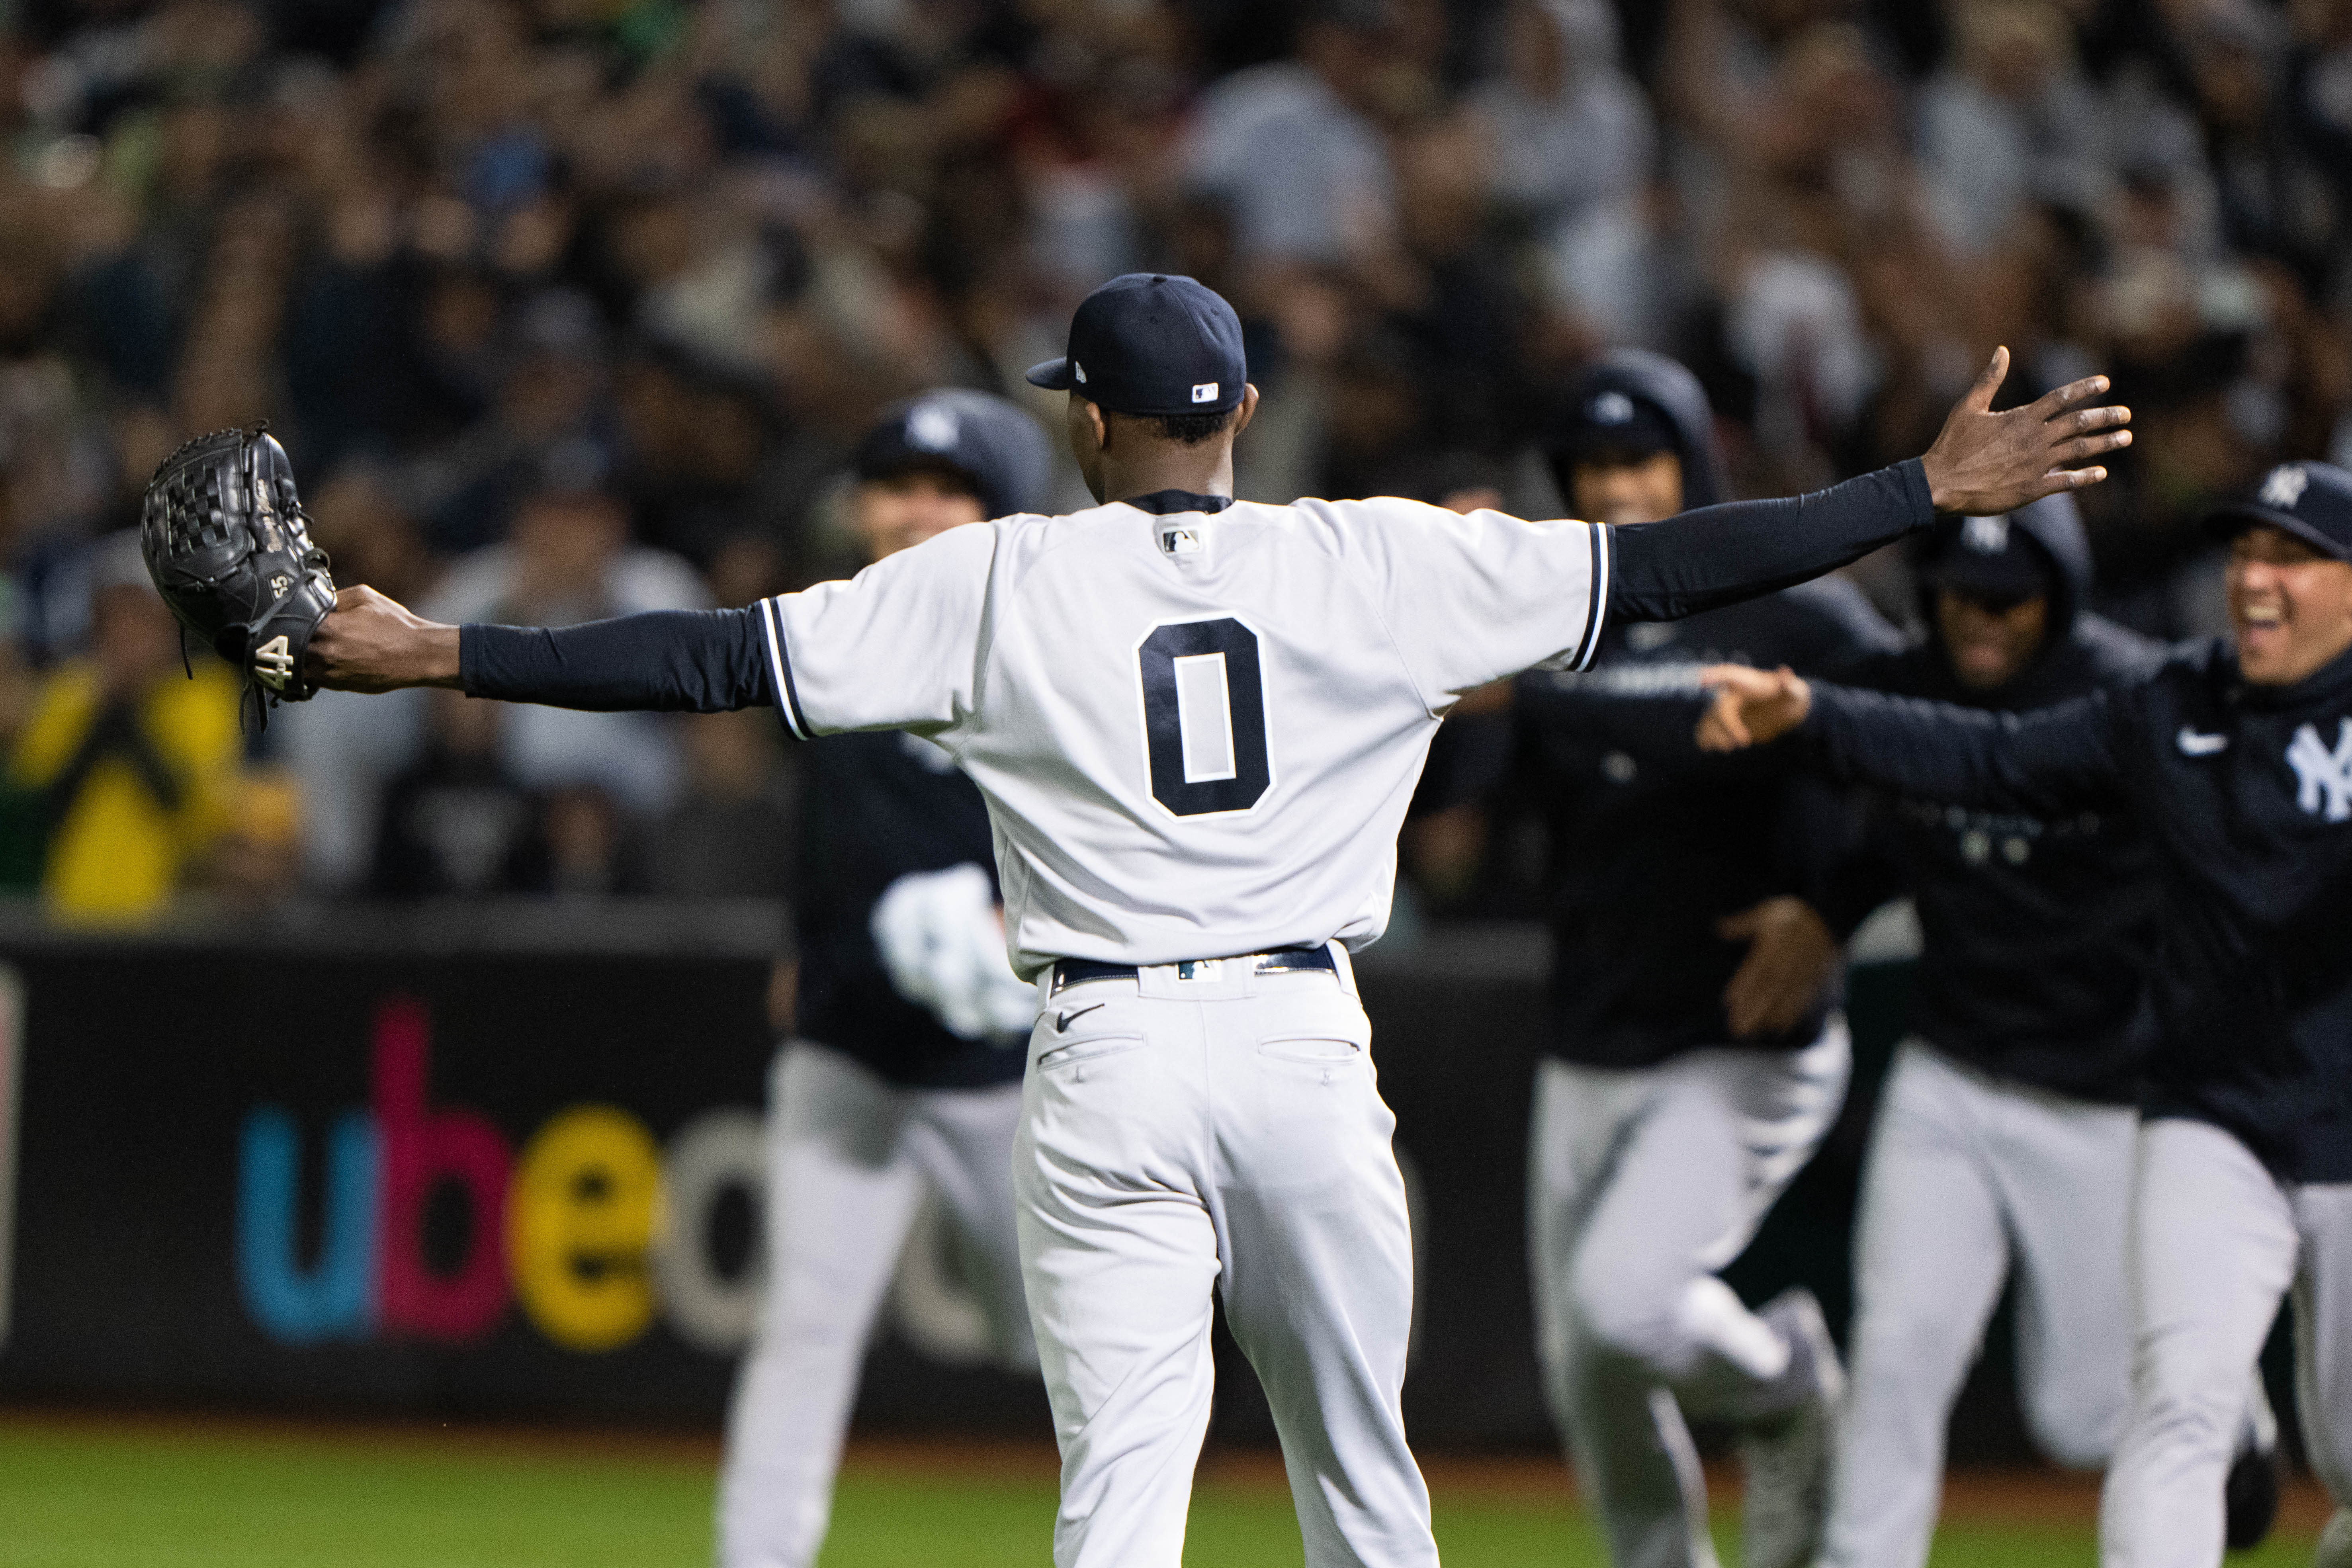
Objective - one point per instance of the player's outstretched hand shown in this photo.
(1790, 955)
(1750, 706)
(368, 643)
(1985, 463)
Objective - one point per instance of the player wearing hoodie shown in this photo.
(1695, 1056)
(2003, 1141)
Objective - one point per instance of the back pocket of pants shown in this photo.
(1089, 1050)
(1315, 1050)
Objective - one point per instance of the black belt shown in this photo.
(1071, 972)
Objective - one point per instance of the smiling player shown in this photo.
(2237, 764)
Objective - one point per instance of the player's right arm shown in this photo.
(2047, 760)
(894, 648)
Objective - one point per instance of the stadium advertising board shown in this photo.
(462, 1173)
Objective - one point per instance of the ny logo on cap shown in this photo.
(2323, 778)
(1205, 392)
(932, 427)
(1611, 408)
(2286, 486)
(1079, 370)
(1985, 535)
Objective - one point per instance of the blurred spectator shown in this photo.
(137, 761)
(568, 560)
(2008, 119)
(1293, 152)
(342, 747)
(732, 833)
(457, 822)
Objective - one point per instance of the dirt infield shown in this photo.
(1990, 1497)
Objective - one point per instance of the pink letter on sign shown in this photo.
(422, 1149)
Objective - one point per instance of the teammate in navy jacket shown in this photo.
(1695, 1056)
(2002, 1147)
(2237, 765)
(905, 1071)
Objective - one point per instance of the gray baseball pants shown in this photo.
(1968, 1180)
(1642, 1184)
(2216, 1243)
(1224, 1132)
(849, 1156)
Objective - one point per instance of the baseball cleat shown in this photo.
(1787, 1455)
(2250, 1495)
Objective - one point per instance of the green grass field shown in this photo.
(77, 1494)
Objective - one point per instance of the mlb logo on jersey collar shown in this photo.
(1180, 540)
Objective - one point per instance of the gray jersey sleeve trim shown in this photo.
(779, 669)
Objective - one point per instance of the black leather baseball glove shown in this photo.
(229, 545)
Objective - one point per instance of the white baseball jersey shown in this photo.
(1197, 733)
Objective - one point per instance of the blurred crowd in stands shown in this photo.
(565, 308)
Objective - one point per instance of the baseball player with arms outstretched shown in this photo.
(906, 1068)
(1197, 723)
(2237, 764)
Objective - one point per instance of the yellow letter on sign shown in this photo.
(581, 1212)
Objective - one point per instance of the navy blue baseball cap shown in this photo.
(1991, 560)
(2312, 501)
(1151, 344)
(992, 443)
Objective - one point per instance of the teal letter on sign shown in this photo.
(334, 1299)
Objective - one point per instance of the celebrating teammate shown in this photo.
(907, 1066)
(1197, 724)
(2003, 1139)
(1694, 1057)
(2237, 764)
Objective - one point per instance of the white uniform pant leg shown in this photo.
(1930, 1253)
(2323, 1334)
(1624, 1434)
(1118, 1254)
(2212, 1250)
(1694, 1161)
(1317, 1247)
(962, 1139)
(841, 1195)
(1232, 1129)
(2065, 1173)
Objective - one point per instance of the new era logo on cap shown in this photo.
(1151, 343)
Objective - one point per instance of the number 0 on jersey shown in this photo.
(1204, 717)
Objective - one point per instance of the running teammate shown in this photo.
(1197, 723)
(2237, 764)
(1695, 1056)
(904, 1072)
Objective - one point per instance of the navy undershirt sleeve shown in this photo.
(1720, 555)
(690, 661)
